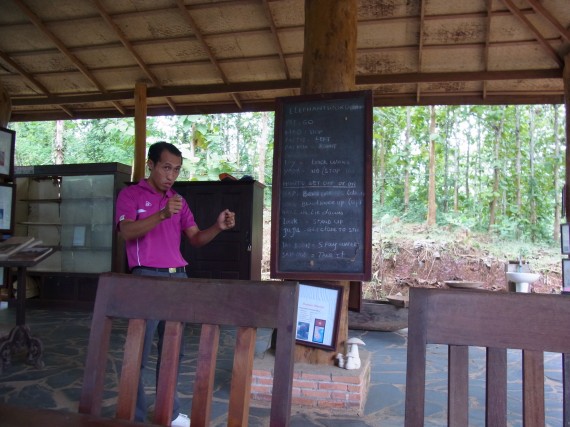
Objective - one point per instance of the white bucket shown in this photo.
(523, 287)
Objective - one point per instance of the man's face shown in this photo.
(164, 172)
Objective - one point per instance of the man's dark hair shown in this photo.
(156, 149)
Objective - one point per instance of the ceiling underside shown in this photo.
(65, 59)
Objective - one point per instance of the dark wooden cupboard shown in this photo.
(233, 254)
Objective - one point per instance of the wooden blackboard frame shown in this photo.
(360, 100)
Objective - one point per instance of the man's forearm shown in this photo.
(134, 229)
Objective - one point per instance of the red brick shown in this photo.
(311, 385)
(304, 401)
(346, 380)
(316, 393)
(334, 386)
(336, 395)
(296, 391)
(316, 377)
(261, 373)
(355, 397)
(266, 381)
(260, 389)
(354, 388)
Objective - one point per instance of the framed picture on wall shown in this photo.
(318, 314)
(565, 238)
(7, 205)
(7, 144)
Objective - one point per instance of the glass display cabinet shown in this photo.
(72, 208)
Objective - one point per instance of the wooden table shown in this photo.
(19, 416)
(20, 336)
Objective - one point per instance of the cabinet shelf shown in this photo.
(86, 248)
(41, 200)
(40, 224)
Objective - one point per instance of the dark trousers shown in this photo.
(153, 326)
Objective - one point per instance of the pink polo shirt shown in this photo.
(160, 247)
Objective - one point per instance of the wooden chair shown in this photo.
(498, 321)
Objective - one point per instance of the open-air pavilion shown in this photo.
(66, 59)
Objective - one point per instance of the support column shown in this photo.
(566, 79)
(140, 132)
(329, 65)
(5, 107)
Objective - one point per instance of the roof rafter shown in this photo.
(41, 88)
(188, 18)
(420, 45)
(538, 8)
(489, 5)
(127, 44)
(546, 46)
(84, 70)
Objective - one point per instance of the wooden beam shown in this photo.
(5, 107)
(420, 44)
(542, 11)
(198, 33)
(546, 46)
(289, 84)
(566, 79)
(128, 45)
(329, 65)
(140, 132)
(63, 49)
(489, 5)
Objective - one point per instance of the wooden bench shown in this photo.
(246, 305)
(532, 323)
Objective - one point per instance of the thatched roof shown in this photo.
(81, 58)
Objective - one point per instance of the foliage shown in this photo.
(471, 142)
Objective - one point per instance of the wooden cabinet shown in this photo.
(233, 254)
(71, 207)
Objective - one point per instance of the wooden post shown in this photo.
(140, 132)
(566, 79)
(329, 65)
(5, 107)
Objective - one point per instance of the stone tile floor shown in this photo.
(65, 333)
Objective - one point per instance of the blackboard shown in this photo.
(322, 187)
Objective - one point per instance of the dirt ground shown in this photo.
(411, 255)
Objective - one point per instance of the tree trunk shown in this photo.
(555, 172)
(448, 121)
(518, 162)
(329, 65)
(407, 156)
(382, 170)
(262, 146)
(432, 206)
(496, 170)
(566, 81)
(532, 195)
(58, 143)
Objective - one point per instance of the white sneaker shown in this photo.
(181, 420)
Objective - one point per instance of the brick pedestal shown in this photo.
(317, 386)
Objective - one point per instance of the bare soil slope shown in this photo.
(406, 255)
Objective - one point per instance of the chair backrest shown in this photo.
(533, 323)
(247, 305)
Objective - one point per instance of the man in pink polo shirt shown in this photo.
(151, 217)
